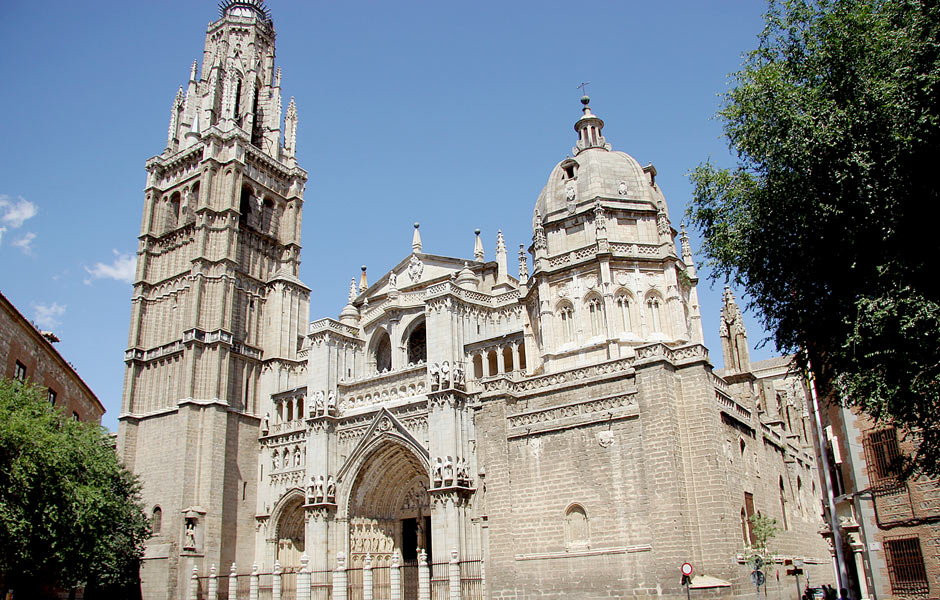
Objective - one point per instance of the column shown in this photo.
(233, 582)
(194, 584)
(253, 583)
(213, 584)
(453, 575)
(303, 579)
(339, 578)
(515, 358)
(500, 363)
(394, 576)
(424, 578)
(276, 581)
(367, 578)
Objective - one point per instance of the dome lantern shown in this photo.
(590, 129)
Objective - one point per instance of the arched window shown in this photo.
(478, 366)
(521, 366)
(745, 528)
(492, 363)
(172, 211)
(382, 352)
(654, 314)
(566, 322)
(595, 315)
(783, 505)
(577, 530)
(507, 360)
(799, 497)
(624, 306)
(156, 520)
(417, 345)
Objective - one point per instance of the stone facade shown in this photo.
(28, 354)
(562, 423)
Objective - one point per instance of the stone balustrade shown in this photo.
(383, 387)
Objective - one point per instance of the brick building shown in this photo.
(889, 529)
(28, 354)
(560, 424)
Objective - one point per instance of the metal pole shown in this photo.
(841, 573)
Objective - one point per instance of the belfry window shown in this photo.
(417, 345)
(566, 321)
(623, 307)
(655, 317)
(569, 170)
(383, 353)
(594, 313)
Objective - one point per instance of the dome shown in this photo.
(594, 171)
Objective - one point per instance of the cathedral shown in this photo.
(556, 431)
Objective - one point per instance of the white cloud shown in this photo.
(25, 243)
(16, 212)
(45, 314)
(122, 268)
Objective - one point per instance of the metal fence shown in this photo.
(407, 580)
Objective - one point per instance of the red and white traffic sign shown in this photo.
(687, 569)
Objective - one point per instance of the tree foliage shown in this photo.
(69, 512)
(826, 218)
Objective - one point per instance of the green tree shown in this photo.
(826, 218)
(69, 511)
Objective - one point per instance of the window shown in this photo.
(623, 308)
(746, 513)
(383, 353)
(19, 371)
(783, 505)
(569, 170)
(594, 312)
(51, 396)
(883, 457)
(566, 318)
(906, 566)
(75, 416)
(156, 520)
(655, 317)
(577, 532)
(417, 345)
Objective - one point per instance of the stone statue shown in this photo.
(458, 375)
(318, 402)
(266, 423)
(297, 457)
(190, 542)
(435, 376)
(448, 469)
(318, 489)
(311, 491)
(393, 280)
(276, 460)
(445, 374)
(330, 489)
(331, 403)
(436, 471)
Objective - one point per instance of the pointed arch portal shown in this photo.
(388, 507)
(290, 532)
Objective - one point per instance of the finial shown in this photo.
(500, 243)
(352, 290)
(277, 78)
(416, 239)
(478, 247)
(363, 283)
(523, 265)
(192, 72)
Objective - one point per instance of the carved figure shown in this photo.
(276, 460)
(190, 541)
(458, 375)
(266, 423)
(448, 469)
(311, 491)
(330, 489)
(318, 402)
(445, 374)
(622, 188)
(393, 281)
(435, 376)
(331, 403)
(318, 489)
(436, 472)
(296, 457)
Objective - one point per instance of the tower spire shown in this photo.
(416, 239)
(478, 255)
(290, 129)
(502, 269)
(733, 335)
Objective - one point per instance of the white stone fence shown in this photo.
(414, 580)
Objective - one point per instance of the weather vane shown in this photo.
(582, 87)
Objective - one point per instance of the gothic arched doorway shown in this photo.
(388, 507)
(290, 534)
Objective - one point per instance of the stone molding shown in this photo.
(575, 414)
(578, 553)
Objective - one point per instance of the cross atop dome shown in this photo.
(589, 128)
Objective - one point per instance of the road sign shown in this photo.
(757, 578)
(686, 569)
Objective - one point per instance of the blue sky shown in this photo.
(448, 113)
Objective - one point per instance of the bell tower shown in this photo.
(218, 312)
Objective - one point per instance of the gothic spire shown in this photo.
(478, 247)
(290, 129)
(416, 239)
